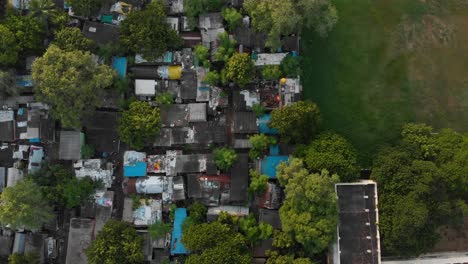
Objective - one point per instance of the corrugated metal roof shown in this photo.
(70, 145)
(177, 248)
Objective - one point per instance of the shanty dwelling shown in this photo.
(177, 248)
(145, 89)
(100, 32)
(213, 212)
(7, 125)
(79, 239)
(70, 145)
(240, 179)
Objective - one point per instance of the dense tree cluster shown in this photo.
(240, 69)
(422, 185)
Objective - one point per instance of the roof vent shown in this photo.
(366, 197)
(368, 237)
(92, 29)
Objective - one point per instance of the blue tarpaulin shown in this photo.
(177, 247)
(120, 65)
(263, 125)
(138, 169)
(270, 163)
(274, 150)
(35, 140)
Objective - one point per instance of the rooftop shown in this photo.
(101, 131)
(245, 123)
(263, 125)
(70, 145)
(177, 248)
(240, 179)
(134, 164)
(270, 217)
(358, 233)
(100, 32)
(195, 163)
(151, 185)
(269, 164)
(79, 239)
(263, 59)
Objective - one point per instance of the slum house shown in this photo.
(211, 26)
(40, 127)
(291, 90)
(36, 156)
(358, 239)
(259, 251)
(7, 126)
(244, 123)
(191, 39)
(272, 197)
(176, 188)
(177, 248)
(199, 134)
(100, 32)
(196, 163)
(6, 244)
(270, 217)
(119, 64)
(14, 102)
(134, 164)
(104, 203)
(188, 85)
(79, 239)
(3, 178)
(247, 38)
(70, 146)
(174, 7)
(154, 250)
(162, 164)
(148, 212)
(264, 59)
(213, 212)
(240, 179)
(264, 125)
(96, 169)
(145, 90)
(101, 131)
(180, 115)
(6, 155)
(210, 190)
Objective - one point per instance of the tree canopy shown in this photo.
(194, 8)
(117, 242)
(309, 211)
(139, 124)
(283, 17)
(332, 152)
(85, 8)
(159, 229)
(258, 182)
(24, 205)
(71, 38)
(224, 158)
(212, 243)
(253, 231)
(298, 122)
(7, 83)
(422, 185)
(260, 144)
(147, 32)
(9, 50)
(240, 69)
(232, 17)
(71, 82)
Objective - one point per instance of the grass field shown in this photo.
(388, 62)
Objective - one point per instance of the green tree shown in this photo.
(253, 231)
(165, 98)
(194, 8)
(291, 66)
(71, 82)
(333, 152)
(29, 33)
(71, 38)
(240, 69)
(258, 109)
(320, 15)
(77, 191)
(9, 50)
(226, 47)
(159, 229)
(24, 205)
(232, 17)
(422, 186)
(43, 11)
(260, 144)
(87, 151)
(215, 243)
(297, 122)
(271, 72)
(7, 83)
(308, 212)
(197, 211)
(275, 258)
(28, 258)
(117, 242)
(147, 32)
(258, 182)
(202, 54)
(139, 124)
(224, 158)
(85, 8)
(211, 78)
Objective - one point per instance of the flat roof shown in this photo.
(177, 247)
(145, 87)
(358, 234)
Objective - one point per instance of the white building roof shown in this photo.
(145, 87)
(151, 185)
(264, 59)
(93, 168)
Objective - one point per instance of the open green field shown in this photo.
(388, 62)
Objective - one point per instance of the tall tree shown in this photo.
(240, 69)
(71, 38)
(43, 11)
(71, 82)
(7, 83)
(254, 232)
(139, 124)
(332, 152)
(85, 8)
(297, 122)
(224, 158)
(309, 211)
(214, 243)
(422, 185)
(9, 49)
(24, 205)
(29, 34)
(148, 33)
(117, 242)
